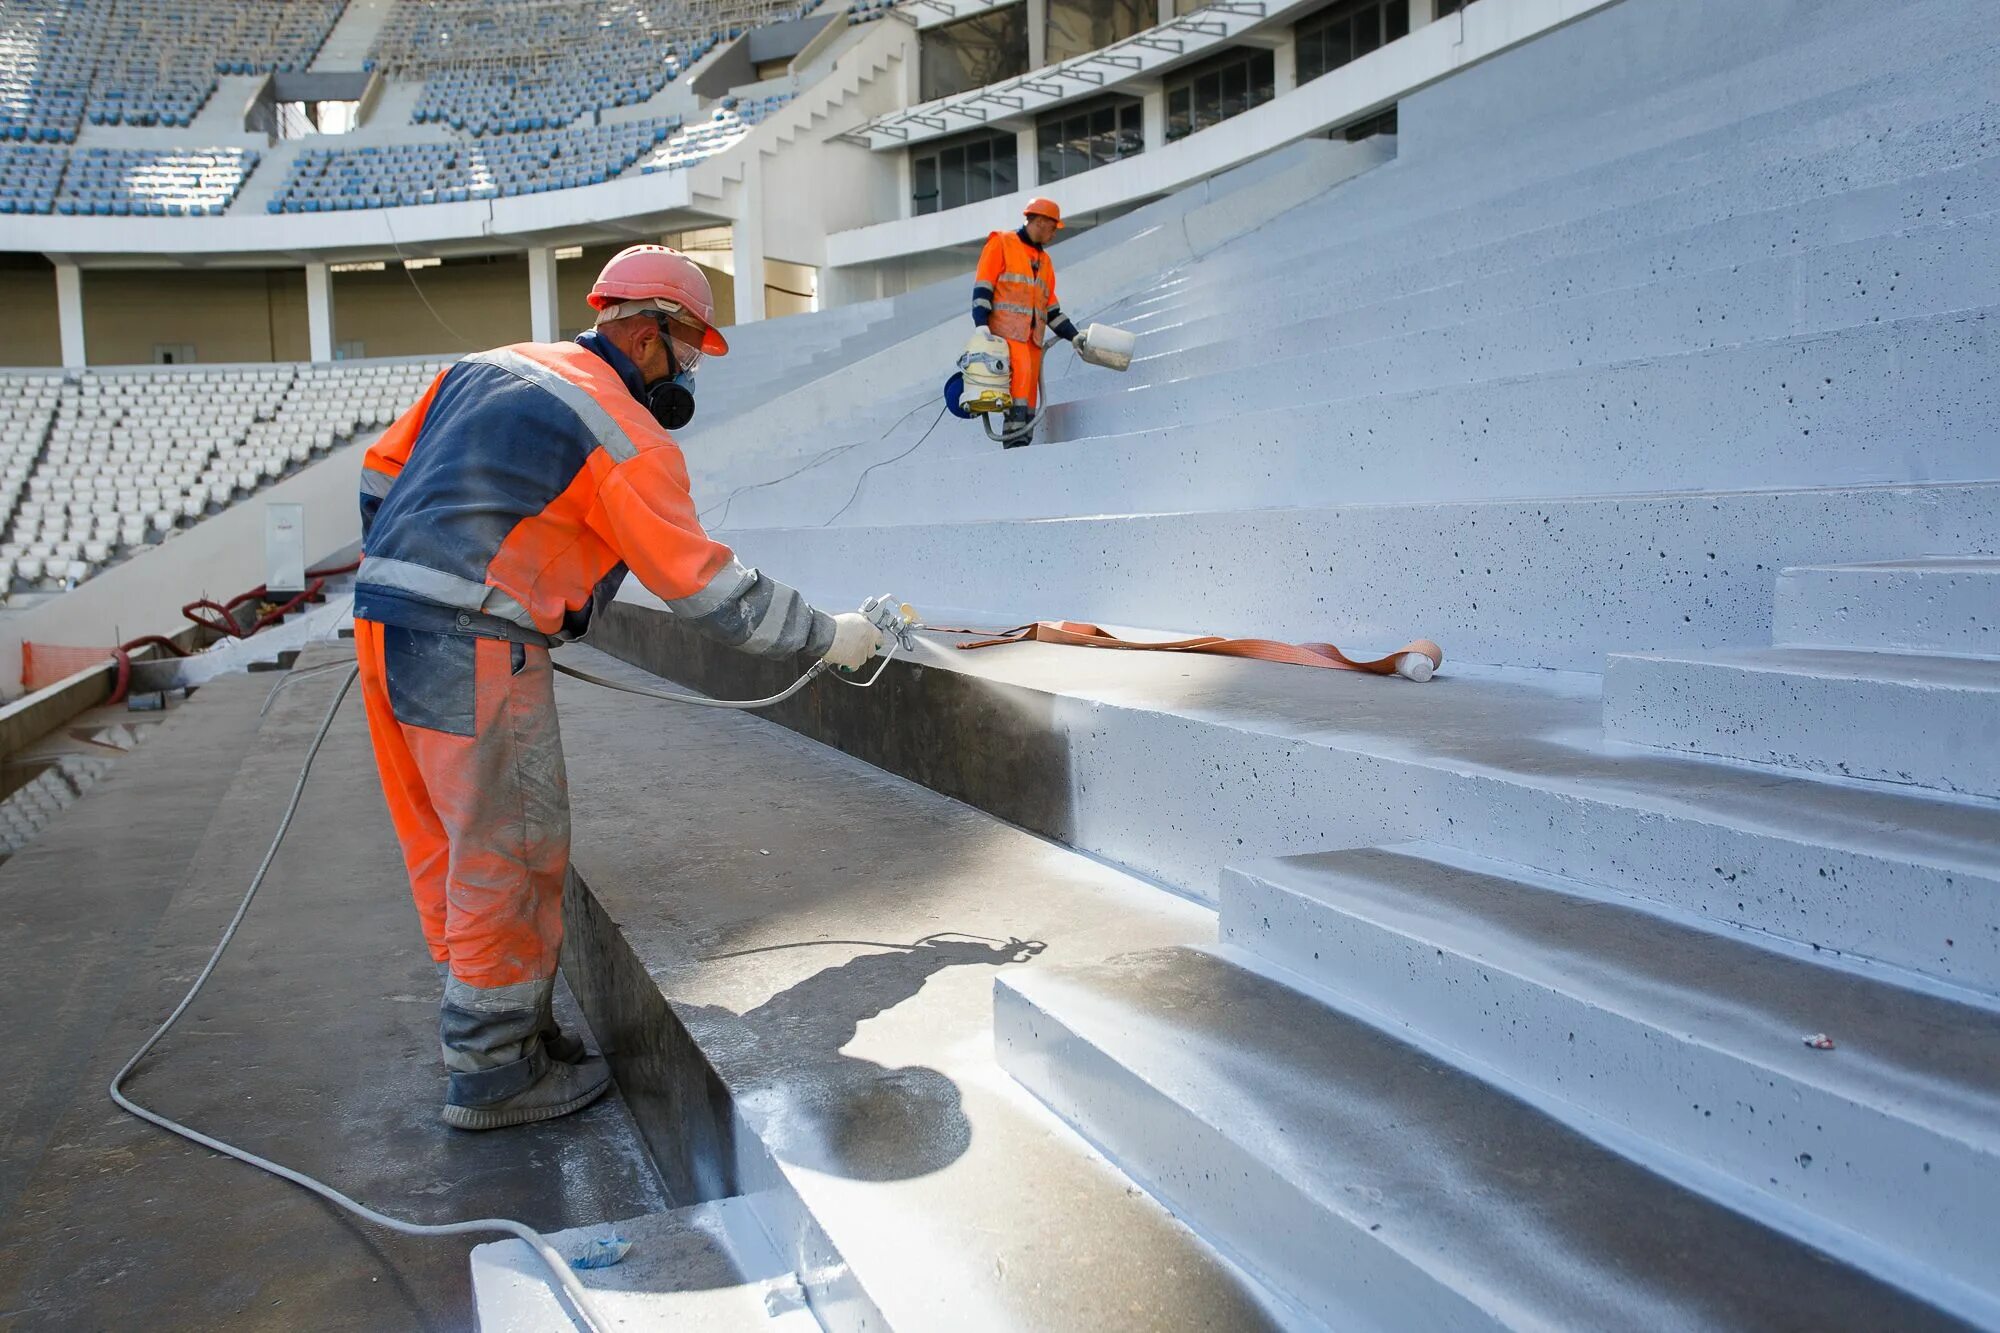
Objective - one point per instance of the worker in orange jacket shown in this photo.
(1014, 297)
(497, 514)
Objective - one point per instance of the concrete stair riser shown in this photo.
(1944, 605)
(1383, 1188)
(1926, 721)
(1890, 1153)
(1547, 583)
(1083, 768)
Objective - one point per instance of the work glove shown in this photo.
(855, 640)
(1082, 339)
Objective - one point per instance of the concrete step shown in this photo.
(1362, 247)
(1551, 583)
(1688, 1038)
(1849, 407)
(1383, 1188)
(1946, 604)
(1916, 272)
(708, 1268)
(792, 968)
(1890, 717)
(1174, 765)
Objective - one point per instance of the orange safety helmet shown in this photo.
(649, 273)
(1044, 208)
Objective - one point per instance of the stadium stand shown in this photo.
(528, 66)
(325, 180)
(140, 62)
(30, 177)
(151, 182)
(703, 139)
(98, 464)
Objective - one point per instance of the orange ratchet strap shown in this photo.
(1080, 635)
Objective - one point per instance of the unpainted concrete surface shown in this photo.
(830, 935)
(315, 1043)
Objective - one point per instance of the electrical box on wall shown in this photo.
(284, 548)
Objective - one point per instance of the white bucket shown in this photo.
(1106, 345)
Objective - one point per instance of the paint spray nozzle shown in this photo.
(897, 620)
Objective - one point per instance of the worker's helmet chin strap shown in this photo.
(671, 400)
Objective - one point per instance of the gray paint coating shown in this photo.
(1891, 717)
(1385, 1189)
(1689, 1038)
(1937, 604)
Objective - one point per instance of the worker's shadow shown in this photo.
(846, 1115)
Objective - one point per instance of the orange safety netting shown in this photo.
(43, 664)
(1078, 634)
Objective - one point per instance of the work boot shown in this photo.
(1020, 428)
(561, 1089)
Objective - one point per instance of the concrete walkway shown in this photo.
(315, 1043)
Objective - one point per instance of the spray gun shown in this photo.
(896, 620)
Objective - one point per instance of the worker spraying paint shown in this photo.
(1013, 308)
(497, 514)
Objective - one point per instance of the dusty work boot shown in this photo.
(1020, 428)
(561, 1089)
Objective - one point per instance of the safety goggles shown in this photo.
(686, 334)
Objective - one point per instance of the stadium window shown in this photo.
(1087, 135)
(969, 169)
(1450, 6)
(173, 354)
(971, 53)
(351, 350)
(1382, 122)
(1078, 27)
(1347, 31)
(1211, 92)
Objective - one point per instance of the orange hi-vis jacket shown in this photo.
(511, 500)
(1016, 281)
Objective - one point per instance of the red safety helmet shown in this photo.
(646, 273)
(1044, 208)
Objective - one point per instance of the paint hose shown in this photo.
(566, 1280)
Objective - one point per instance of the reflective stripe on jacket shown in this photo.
(1020, 281)
(523, 485)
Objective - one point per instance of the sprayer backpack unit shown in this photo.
(983, 386)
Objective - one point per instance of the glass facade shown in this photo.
(1347, 31)
(1213, 91)
(1087, 135)
(1078, 27)
(970, 169)
(971, 53)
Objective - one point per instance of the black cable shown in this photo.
(825, 457)
(884, 463)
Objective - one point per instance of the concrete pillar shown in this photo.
(1285, 65)
(1038, 33)
(69, 314)
(1422, 12)
(1167, 11)
(319, 312)
(1028, 157)
(906, 184)
(544, 304)
(1153, 118)
(746, 241)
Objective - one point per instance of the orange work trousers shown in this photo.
(470, 755)
(1024, 371)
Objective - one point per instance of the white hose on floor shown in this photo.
(577, 1293)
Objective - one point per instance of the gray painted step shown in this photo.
(1383, 1189)
(1690, 1039)
(703, 1269)
(1947, 604)
(1290, 760)
(1893, 717)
